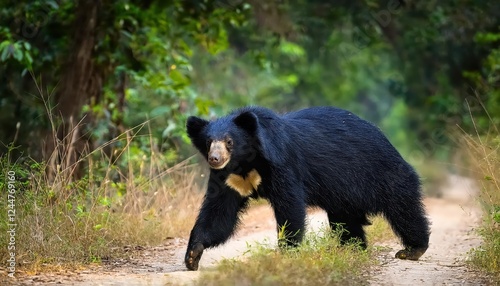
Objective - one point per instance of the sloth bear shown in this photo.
(322, 156)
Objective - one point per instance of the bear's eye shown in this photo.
(229, 142)
(209, 141)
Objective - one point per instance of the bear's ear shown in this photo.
(195, 125)
(248, 121)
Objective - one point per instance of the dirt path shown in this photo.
(453, 218)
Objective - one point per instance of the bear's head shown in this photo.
(225, 142)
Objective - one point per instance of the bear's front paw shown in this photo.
(193, 256)
(410, 254)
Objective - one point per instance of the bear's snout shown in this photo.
(218, 155)
(214, 159)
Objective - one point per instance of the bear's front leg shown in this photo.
(193, 255)
(216, 221)
(290, 212)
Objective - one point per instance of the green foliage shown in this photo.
(18, 51)
(486, 81)
(496, 214)
(160, 61)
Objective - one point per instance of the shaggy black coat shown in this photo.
(322, 156)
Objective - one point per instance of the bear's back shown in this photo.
(334, 141)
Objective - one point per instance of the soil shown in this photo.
(454, 219)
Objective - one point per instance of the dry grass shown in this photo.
(484, 151)
(135, 198)
(320, 260)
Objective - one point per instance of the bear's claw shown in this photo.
(193, 256)
(410, 254)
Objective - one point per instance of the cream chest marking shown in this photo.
(244, 185)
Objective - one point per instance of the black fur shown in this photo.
(322, 156)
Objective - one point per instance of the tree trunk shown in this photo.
(80, 83)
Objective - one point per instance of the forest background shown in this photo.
(94, 95)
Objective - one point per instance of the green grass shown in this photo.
(379, 231)
(319, 260)
(487, 257)
(485, 159)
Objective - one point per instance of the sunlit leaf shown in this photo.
(178, 77)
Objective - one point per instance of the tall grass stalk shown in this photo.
(130, 198)
(484, 151)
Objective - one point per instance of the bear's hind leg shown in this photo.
(291, 225)
(351, 229)
(290, 213)
(411, 225)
